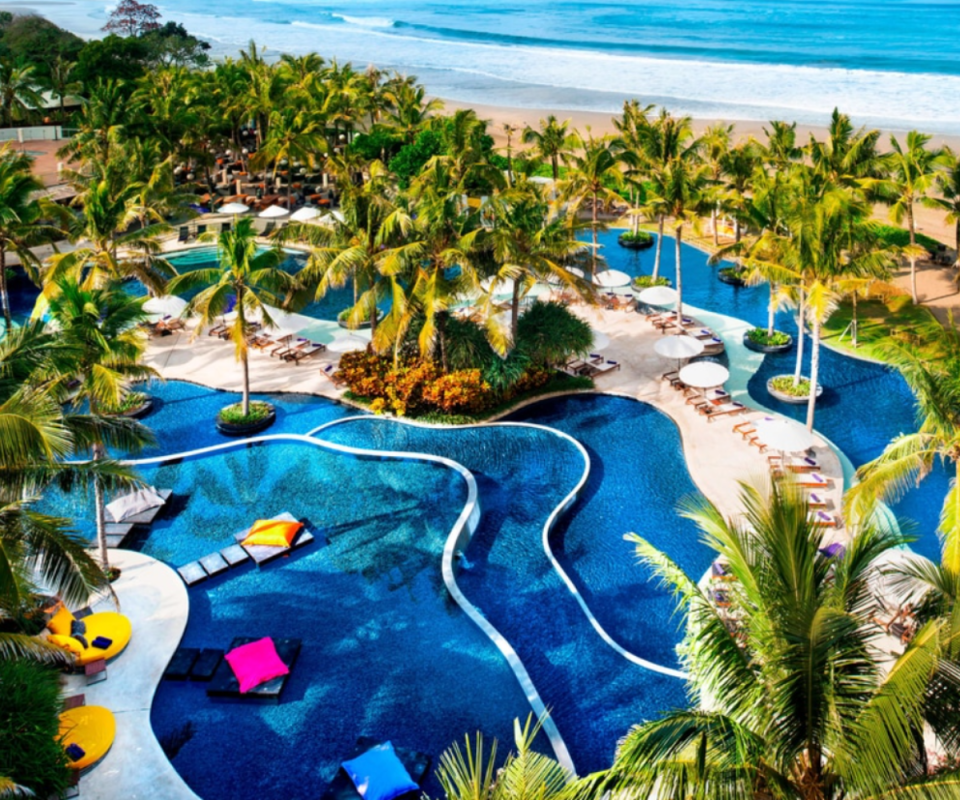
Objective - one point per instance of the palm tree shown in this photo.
(101, 326)
(948, 182)
(737, 167)
(913, 171)
(590, 175)
(679, 188)
(934, 377)
(552, 142)
(474, 774)
(36, 444)
(411, 109)
(528, 245)
(715, 143)
(21, 220)
(246, 278)
(18, 95)
(633, 120)
(791, 698)
(60, 82)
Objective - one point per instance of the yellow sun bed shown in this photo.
(92, 728)
(108, 624)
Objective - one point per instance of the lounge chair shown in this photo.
(308, 352)
(268, 229)
(594, 370)
(225, 227)
(801, 464)
(225, 684)
(815, 500)
(263, 554)
(823, 519)
(720, 571)
(184, 235)
(814, 480)
(86, 733)
(138, 508)
(283, 343)
(201, 229)
(669, 376)
(216, 330)
(293, 349)
(111, 629)
(329, 371)
(721, 411)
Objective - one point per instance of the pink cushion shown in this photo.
(255, 663)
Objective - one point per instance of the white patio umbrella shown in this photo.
(273, 212)
(305, 213)
(611, 278)
(576, 271)
(784, 435)
(704, 375)
(600, 340)
(234, 208)
(678, 347)
(167, 306)
(346, 343)
(658, 296)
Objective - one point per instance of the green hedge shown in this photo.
(30, 705)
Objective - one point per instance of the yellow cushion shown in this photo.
(68, 643)
(110, 625)
(60, 624)
(92, 728)
(272, 532)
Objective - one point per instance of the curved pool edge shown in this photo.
(461, 533)
(157, 603)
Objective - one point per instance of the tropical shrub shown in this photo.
(30, 703)
(463, 391)
(646, 281)
(636, 239)
(549, 333)
(233, 414)
(784, 384)
(762, 337)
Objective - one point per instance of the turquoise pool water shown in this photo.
(385, 651)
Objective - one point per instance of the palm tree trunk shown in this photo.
(800, 326)
(556, 168)
(713, 225)
(853, 321)
(913, 258)
(514, 310)
(636, 217)
(245, 410)
(442, 336)
(771, 310)
(679, 236)
(4, 293)
(656, 258)
(593, 260)
(814, 373)
(98, 454)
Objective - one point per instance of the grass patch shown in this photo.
(560, 382)
(233, 414)
(880, 324)
(900, 237)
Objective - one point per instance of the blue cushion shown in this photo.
(379, 775)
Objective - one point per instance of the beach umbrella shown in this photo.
(784, 435)
(273, 212)
(234, 208)
(704, 374)
(678, 347)
(166, 306)
(346, 343)
(305, 213)
(611, 278)
(658, 296)
(576, 271)
(600, 340)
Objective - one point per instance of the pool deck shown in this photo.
(152, 595)
(718, 458)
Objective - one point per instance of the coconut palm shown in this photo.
(737, 167)
(411, 109)
(528, 244)
(552, 142)
(293, 136)
(593, 175)
(473, 773)
(21, 220)
(36, 444)
(102, 328)
(246, 279)
(934, 377)
(630, 124)
(18, 94)
(948, 182)
(913, 172)
(60, 82)
(790, 695)
(715, 144)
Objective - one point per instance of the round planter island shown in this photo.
(766, 348)
(627, 240)
(247, 428)
(783, 397)
(140, 410)
(731, 276)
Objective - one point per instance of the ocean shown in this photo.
(889, 63)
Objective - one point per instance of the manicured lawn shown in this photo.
(880, 324)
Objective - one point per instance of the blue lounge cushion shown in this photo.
(379, 775)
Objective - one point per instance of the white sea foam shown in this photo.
(510, 74)
(366, 22)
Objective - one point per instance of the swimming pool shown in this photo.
(386, 653)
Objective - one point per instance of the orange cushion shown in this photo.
(272, 532)
(61, 622)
